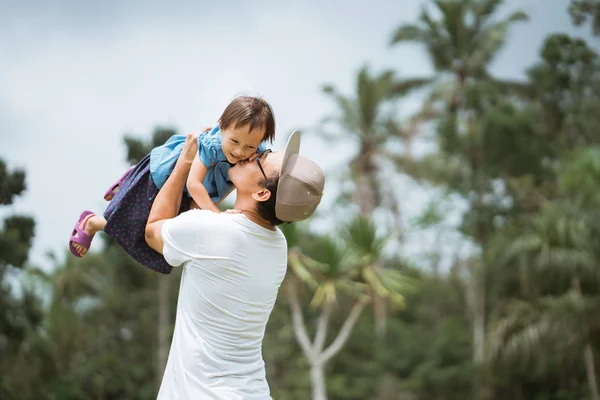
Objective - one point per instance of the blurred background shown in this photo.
(455, 254)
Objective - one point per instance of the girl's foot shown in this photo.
(84, 232)
(110, 193)
(108, 196)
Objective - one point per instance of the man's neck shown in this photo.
(249, 210)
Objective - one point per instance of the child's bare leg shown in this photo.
(91, 226)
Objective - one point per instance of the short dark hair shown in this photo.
(253, 111)
(266, 209)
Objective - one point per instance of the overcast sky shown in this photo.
(76, 75)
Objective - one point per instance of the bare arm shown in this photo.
(168, 200)
(196, 187)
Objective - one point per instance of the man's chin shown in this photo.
(230, 175)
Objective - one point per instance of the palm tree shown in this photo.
(556, 249)
(461, 43)
(334, 270)
(367, 119)
(581, 10)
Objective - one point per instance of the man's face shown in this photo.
(240, 143)
(246, 175)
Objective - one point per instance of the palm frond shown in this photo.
(325, 251)
(557, 324)
(409, 33)
(509, 87)
(490, 39)
(303, 268)
(484, 9)
(406, 86)
(348, 118)
(361, 236)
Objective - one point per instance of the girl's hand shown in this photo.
(190, 148)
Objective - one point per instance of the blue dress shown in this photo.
(127, 213)
(216, 182)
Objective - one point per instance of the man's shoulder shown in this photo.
(228, 222)
(194, 219)
(208, 217)
(197, 214)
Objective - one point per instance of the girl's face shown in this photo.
(240, 143)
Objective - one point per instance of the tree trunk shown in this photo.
(588, 353)
(164, 327)
(476, 302)
(590, 370)
(365, 198)
(380, 316)
(317, 378)
(475, 289)
(363, 195)
(479, 329)
(318, 358)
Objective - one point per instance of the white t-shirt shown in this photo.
(232, 271)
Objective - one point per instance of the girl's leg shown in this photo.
(90, 225)
(110, 193)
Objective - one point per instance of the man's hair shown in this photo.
(266, 209)
(252, 111)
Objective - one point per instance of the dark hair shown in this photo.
(266, 209)
(253, 111)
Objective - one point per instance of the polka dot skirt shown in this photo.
(127, 214)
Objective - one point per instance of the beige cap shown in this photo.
(301, 184)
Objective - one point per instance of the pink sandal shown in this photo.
(111, 190)
(79, 236)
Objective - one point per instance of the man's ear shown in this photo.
(262, 195)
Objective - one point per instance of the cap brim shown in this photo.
(292, 147)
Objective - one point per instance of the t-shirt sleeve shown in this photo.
(261, 147)
(181, 235)
(208, 150)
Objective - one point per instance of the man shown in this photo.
(234, 264)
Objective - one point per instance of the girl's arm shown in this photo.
(197, 189)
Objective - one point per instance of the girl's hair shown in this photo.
(253, 111)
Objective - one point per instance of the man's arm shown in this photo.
(168, 200)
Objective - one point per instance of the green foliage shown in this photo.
(567, 87)
(137, 148)
(12, 183)
(21, 314)
(522, 156)
(581, 10)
